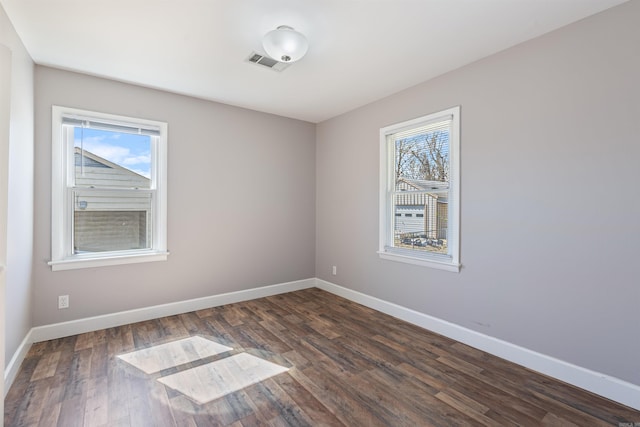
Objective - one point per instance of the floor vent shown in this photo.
(267, 62)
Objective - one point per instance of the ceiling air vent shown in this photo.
(267, 62)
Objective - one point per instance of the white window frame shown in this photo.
(386, 250)
(62, 210)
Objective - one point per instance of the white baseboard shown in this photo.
(604, 385)
(80, 326)
(14, 364)
(595, 382)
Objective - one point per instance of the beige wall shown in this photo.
(241, 201)
(550, 217)
(18, 201)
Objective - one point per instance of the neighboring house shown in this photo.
(423, 210)
(107, 218)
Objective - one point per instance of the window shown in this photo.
(108, 189)
(420, 177)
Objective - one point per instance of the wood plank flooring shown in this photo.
(348, 366)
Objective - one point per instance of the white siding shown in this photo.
(107, 218)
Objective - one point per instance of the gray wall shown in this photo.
(19, 201)
(550, 228)
(550, 231)
(241, 201)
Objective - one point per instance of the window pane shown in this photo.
(422, 161)
(421, 164)
(111, 159)
(420, 221)
(111, 221)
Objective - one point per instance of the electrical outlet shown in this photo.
(334, 271)
(63, 301)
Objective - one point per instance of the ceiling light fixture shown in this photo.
(285, 44)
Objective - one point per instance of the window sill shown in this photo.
(89, 262)
(440, 265)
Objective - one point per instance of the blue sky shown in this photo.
(124, 149)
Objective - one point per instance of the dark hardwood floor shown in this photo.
(348, 366)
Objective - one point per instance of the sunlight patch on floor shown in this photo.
(206, 382)
(155, 359)
(214, 380)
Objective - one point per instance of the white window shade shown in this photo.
(442, 124)
(90, 123)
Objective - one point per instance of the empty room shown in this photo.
(320, 213)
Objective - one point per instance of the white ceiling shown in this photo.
(360, 50)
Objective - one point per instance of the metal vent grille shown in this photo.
(267, 62)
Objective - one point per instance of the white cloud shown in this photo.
(114, 153)
(110, 152)
(136, 160)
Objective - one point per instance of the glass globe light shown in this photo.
(285, 44)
